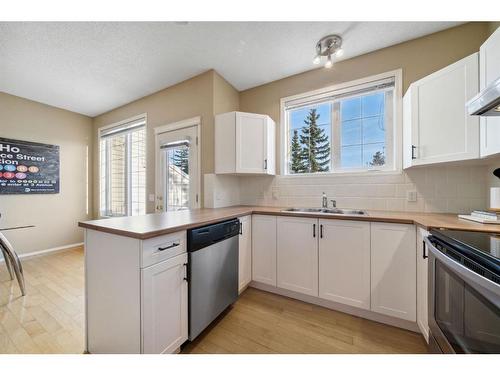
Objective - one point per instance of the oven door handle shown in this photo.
(486, 287)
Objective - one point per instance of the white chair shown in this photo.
(12, 262)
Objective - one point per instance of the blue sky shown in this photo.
(362, 127)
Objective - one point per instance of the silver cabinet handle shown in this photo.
(413, 148)
(314, 230)
(265, 163)
(175, 244)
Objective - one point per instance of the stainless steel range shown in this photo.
(464, 292)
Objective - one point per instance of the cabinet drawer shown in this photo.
(157, 249)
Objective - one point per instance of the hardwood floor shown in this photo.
(49, 319)
(261, 322)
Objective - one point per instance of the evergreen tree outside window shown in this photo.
(181, 159)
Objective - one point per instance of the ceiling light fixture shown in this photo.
(328, 46)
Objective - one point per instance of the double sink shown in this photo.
(326, 211)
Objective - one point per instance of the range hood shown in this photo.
(487, 102)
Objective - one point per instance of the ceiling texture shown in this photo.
(93, 67)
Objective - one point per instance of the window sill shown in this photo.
(366, 173)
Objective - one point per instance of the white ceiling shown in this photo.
(93, 67)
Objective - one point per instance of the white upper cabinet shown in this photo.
(298, 254)
(244, 144)
(245, 252)
(436, 125)
(393, 270)
(264, 249)
(344, 262)
(489, 61)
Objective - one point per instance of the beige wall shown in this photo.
(226, 97)
(55, 216)
(492, 26)
(417, 58)
(203, 95)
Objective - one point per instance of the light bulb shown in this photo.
(339, 52)
(317, 60)
(329, 62)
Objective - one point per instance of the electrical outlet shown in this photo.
(411, 196)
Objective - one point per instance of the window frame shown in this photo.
(128, 156)
(339, 89)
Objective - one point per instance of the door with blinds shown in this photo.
(178, 170)
(122, 168)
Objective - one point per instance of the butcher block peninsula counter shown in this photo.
(152, 225)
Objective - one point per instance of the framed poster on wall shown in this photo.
(28, 167)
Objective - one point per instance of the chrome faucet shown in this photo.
(324, 201)
(334, 203)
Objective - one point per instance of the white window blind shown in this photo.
(123, 169)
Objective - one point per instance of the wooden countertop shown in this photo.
(152, 225)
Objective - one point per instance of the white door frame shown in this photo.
(188, 123)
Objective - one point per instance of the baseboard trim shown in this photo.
(47, 251)
(370, 315)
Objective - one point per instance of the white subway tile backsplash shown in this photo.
(436, 205)
(445, 189)
(439, 189)
(395, 204)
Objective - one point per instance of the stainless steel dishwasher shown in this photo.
(212, 272)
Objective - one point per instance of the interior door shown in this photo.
(178, 170)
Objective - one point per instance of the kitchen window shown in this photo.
(123, 168)
(345, 129)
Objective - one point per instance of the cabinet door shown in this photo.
(264, 249)
(164, 306)
(251, 143)
(245, 253)
(393, 270)
(270, 158)
(442, 130)
(489, 61)
(422, 313)
(298, 254)
(344, 262)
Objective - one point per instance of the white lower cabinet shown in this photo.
(136, 294)
(245, 253)
(422, 277)
(344, 262)
(297, 255)
(393, 270)
(367, 265)
(264, 249)
(164, 306)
